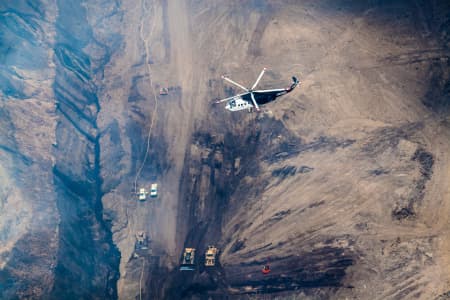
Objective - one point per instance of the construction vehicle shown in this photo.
(188, 260)
(154, 190)
(141, 240)
(142, 194)
(210, 256)
(163, 91)
(266, 269)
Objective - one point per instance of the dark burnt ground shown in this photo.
(426, 162)
(322, 267)
(444, 296)
(219, 160)
(389, 138)
(309, 272)
(437, 97)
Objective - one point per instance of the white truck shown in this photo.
(142, 194)
(154, 190)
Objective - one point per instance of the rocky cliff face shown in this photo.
(55, 243)
(342, 185)
(85, 239)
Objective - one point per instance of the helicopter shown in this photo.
(254, 98)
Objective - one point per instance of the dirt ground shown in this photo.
(342, 183)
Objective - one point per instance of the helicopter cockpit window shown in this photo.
(232, 103)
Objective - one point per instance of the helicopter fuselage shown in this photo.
(241, 102)
(237, 103)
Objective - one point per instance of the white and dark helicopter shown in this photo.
(254, 98)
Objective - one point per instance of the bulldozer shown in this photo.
(188, 263)
(163, 91)
(210, 256)
(141, 241)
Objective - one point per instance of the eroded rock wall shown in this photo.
(87, 258)
(55, 243)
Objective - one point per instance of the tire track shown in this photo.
(155, 109)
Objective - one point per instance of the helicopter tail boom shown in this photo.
(295, 82)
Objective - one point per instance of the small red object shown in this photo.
(266, 270)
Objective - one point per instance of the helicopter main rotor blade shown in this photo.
(229, 98)
(259, 78)
(235, 83)
(254, 102)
